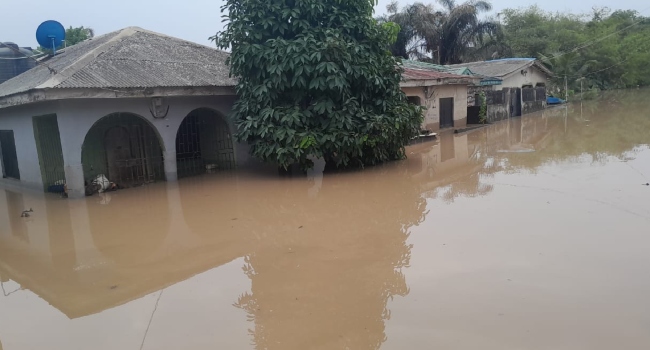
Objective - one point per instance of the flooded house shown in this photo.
(512, 86)
(522, 87)
(133, 106)
(443, 94)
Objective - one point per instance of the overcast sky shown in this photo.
(193, 20)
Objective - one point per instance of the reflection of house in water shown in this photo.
(72, 253)
(331, 274)
(459, 164)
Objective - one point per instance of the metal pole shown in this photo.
(566, 89)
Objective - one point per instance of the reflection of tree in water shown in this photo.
(328, 283)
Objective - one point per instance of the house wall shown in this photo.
(76, 117)
(498, 105)
(516, 79)
(473, 90)
(534, 99)
(430, 97)
(19, 120)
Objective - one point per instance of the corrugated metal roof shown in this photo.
(421, 74)
(458, 70)
(436, 67)
(128, 58)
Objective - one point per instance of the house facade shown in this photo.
(522, 88)
(132, 105)
(443, 94)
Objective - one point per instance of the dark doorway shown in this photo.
(203, 144)
(8, 155)
(446, 112)
(48, 146)
(515, 102)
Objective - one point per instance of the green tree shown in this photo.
(416, 21)
(73, 36)
(316, 79)
(447, 35)
(568, 69)
(460, 30)
(608, 50)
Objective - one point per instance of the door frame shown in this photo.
(440, 104)
(12, 138)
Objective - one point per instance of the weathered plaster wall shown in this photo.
(516, 79)
(76, 117)
(473, 90)
(430, 97)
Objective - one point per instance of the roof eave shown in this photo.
(434, 82)
(41, 95)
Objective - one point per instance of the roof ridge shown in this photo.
(88, 57)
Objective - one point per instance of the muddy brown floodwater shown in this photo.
(531, 233)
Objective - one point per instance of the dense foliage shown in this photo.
(603, 50)
(600, 50)
(316, 80)
(76, 35)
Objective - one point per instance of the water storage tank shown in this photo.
(14, 60)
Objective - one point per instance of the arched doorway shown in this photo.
(125, 148)
(203, 144)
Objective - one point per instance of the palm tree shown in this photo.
(570, 66)
(416, 21)
(447, 35)
(460, 30)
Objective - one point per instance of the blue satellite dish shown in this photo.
(50, 34)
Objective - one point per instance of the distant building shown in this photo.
(513, 86)
(513, 72)
(522, 89)
(132, 105)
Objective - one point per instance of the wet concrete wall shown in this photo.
(534, 106)
(534, 99)
(498, 105)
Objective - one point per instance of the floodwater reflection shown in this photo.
(322, 262)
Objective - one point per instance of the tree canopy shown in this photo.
(316, 80)
(446, 34)
(601, 49)
(73, 36)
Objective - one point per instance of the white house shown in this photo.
(133, 105)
